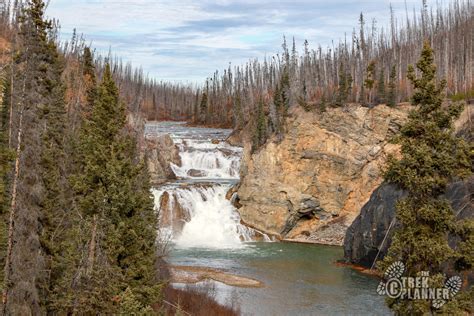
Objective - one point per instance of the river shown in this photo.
(205, 230)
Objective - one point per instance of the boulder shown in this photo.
(196, 173)
(160, 152)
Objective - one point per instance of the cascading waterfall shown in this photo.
(197, 213)
(202, 159)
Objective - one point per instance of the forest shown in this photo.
(78, 227)
(367, 67)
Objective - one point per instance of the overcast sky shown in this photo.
(184, 40)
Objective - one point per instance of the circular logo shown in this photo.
(393, 288)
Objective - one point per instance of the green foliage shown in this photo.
(117, 218)
(6, 157)
(462, 96)
(130, 305)
(305, 105)
(90, 80)
(260, 133)
(238, 113)
(281, 100)
(345, 86)
(203, 108)
(392, 88)
(369, 80)
(381, 97)
(432, 156)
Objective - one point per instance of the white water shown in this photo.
(214, 221)
(211, 220)
(207, 160)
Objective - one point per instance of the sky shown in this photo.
(186, 41)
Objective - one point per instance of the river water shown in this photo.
(205, 229)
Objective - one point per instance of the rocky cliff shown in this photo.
(160, 151)
(365, 237)
(311, 185)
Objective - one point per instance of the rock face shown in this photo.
(160, 152)
(321, 173)
(173, 215)
(365, 236)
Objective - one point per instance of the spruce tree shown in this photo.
(90, 81)
(238, 114)
(52, 166)
(260, 133)
(203, 108)
(6, 157)
(344, 87)
(113, 194)
(432, 156)
(381, 97)
(392, 87)
(37, 203)
(369, 80)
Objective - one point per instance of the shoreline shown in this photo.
(196, 274)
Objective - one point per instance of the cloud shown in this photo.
(184, 40)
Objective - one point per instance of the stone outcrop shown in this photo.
(160, 152)
(321, 173)
(173, 215)
(365, 237)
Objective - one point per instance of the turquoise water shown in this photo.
(299, 279)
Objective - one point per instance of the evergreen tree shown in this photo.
(381, 87)
(37, 201)
(203, 108)
(52, 165)
(392, 87)
(369, 80)
(344, 87)
(281, 100)
(114, 198)
(90, 81)
(6, 157)
(260, 132)
(238, 114)
(432, 156)
(285, 92)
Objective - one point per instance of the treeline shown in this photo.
(78, 226)
(368, 67)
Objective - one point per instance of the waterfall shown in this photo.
(197, 213)
(213, 220)
(202, 159)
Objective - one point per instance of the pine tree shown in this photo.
(6, 157)
(238, 114)
(114, 198)
(344, 87)
(90, 80)
(203, 108)
(285, 92)
(260, 133)
(381, 87)
(52, 166)
(37, 201)
(432, 156)
(392, 87)
(369, 80)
